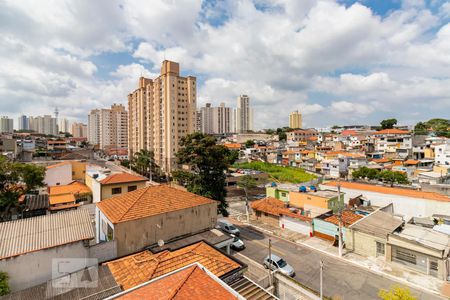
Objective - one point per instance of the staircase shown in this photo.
(250, 290)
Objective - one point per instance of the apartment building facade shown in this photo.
(79, 130)
(108, 127)
(6, 125)
(295, 120)
(161, 112)
(244, 115)
(43, 124)
(216, 120)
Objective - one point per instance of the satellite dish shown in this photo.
(160, 243)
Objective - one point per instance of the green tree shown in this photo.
(144, 163)
(249, 143)
(396, 293)
(17, 179)
(388, 123)
(4, 284)
(247, 183)
(207, 163)
(421, 128)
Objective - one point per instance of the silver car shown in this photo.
(277, 263)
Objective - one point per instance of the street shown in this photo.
(342, 280)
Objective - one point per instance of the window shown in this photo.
(405, 256)
(117, 190)
(132, 188)
(380, 249)
(283, 194)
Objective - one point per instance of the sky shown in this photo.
(338, 62)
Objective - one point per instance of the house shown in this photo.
(62, 197)
(394, 143)
(275, 212)
(105, 185)
(34, 205)
(300, 134)
(368, 236)
(28, 247)
(406, 202)
(326, 226)
(314, 202)
(142, 217)
(421, 249)
(58, 174)
(193, 281)
(135, 269)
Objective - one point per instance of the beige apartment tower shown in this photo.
(295, 120)
(108, 127)
(161, 112)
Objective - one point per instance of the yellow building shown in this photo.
(295, 120)
(314, 202)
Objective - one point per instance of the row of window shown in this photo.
(118, 190)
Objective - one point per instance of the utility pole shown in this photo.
(340, 218)
(321, 279)
(270, 262)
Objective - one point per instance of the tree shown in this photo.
(247, 182)
(249, 143)
(420, 129)
(396, 293)
(16, 179)
(144, 163)
(207, 163)
(4, 284)
(388, 123)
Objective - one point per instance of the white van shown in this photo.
(226, 226)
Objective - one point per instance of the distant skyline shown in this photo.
(337, 62)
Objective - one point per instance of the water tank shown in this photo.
(273, 184)
(302, 189)
(313, 188)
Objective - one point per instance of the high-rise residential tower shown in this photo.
(43, 124)
(94, 127)
(6, 125)
(295, 119)
(161, 112)
(216, 120)
(244, 115)
(23, 123)
(63, 125)
(79, 130)
(108, 128)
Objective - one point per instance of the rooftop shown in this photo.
(122, 178)
(149, 201)
(64, 163)
(378, 223)
(391, 190)
(43, 232)
(35, 202)
(72, 188)
(348, 218)
(141, 267)
(191, 282)
(426, 237)
(392, 131)
(62, 198)
(276, 207)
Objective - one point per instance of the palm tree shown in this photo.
(144, 163)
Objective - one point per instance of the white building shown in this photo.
(23, 123)
(442, 154)
(44, 124)
(108, 127)
(63, 125)
(6, 125)
(216, 120)
(244, 115)
(58, 174)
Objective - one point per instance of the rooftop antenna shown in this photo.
(56, 113)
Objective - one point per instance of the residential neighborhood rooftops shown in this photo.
(392, 131)
(64, 163)
(32, 234)
(391, 190)
(62, 198)
(275, 207)
(72, 188)
(149, 201)
(35, 202)
(121, 178)
(378, 223)
(191, 282)
(138, 268)
(426, 237)
(348, 218)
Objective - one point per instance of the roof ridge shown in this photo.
(134, 202)
(180, 285)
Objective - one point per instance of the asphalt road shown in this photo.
(341, 279)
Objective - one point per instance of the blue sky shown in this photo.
(338, 62)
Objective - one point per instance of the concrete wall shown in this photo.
(268, 219)
(274, 192)
(287, 288)
(134, 235)
(103, 251)
(78, 170)
(60, 175)
(407, 206)
(298, 199)
(36, 267)
(107, 189)
(362, 243)
(327, 228)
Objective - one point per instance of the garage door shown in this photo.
(295, 225)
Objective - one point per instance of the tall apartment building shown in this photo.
(244, 115)
(43, 124)
(6, 125)
(63, 125)
(23, 123)
(161, 112)
(79, 130)
(108, 128)
(216, 120)
(295, 120)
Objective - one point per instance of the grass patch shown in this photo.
(282, 174)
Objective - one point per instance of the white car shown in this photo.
(237, 243)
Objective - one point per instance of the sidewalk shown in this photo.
(378, 265)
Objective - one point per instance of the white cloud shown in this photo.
(349, 108)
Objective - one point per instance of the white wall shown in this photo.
(407, 206)
(96, 191)
(99, 218)
(60, 175)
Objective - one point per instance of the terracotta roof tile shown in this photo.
(348, 218)
(392, 131)
(149, 201)
(72, 188)
(138, 268)
(59, 199)
(411, 162)
(58, 165)
(391, 190)
(121, 178)
(275, 207)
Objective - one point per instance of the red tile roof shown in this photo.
(138, 268)
(72, 188)
(149, 201)
(391, 190)
(411, 162)
(58, 165)
(122, 178)
(276, 207)
(189, 283)
(392, 131)
(348, 218)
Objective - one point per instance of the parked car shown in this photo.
(277, 263)
(226, 226)
(237, 243)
